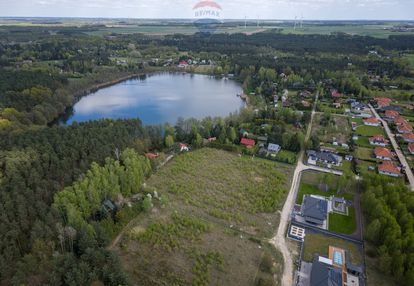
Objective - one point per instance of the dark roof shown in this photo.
(391, 107)
(315, 209)
(324, 156)
(324, 275)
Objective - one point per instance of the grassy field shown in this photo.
(338, 128)
(364, 142)
(369, 130)
(219, 210)
(341, 223)
(365, 154)
(319, 244)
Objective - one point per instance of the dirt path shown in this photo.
(279, 241)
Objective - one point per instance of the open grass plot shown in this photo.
(345, 224)
(219, 210)
(364, 130)
(332, 126)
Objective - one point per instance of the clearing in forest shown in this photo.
(219, 210)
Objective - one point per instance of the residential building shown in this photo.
(382, 153)
(336, 94)
(400, 121)
(249, 143)
(273, 149)
(408, 137)
(323, 157)
(383, 102)
(391, 114)
(152, 155)
(183, 147)
(314, 210)
(323, 274)
(390, 169)
(404, 129)
(372, 122)
(411, 148)
(378, 140)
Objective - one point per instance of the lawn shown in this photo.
(362, 167)
(307, 189)
(319, 244)
(342, 223)
(364, 142)
(370, 130)
(219, 210)
(365, 154)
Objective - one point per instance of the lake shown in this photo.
(159, 98)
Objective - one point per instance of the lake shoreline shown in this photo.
(80, 96)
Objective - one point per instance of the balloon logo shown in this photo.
(207, 16)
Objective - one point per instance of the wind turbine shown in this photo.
(294, 27)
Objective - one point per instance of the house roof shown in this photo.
(183, 145)
(324, 156)
(404, 128)
(377, 138)
(408, 136)
(273, 147)
(400, 121)
(315, 208)
(391, 114)
(151, 155)
(382, 101)
(324, 275)
(247, 142)
(336, 93)
(411, 147)
(389, 167)
(372, 120)
(382, 152)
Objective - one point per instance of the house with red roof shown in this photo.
(248, 143)
(408, 137)
(389, 168)
(400, 121)
(183, 147)
(382, 153)
(378, 140)
(391, 114)
(404, 129)
(383, 102)
(372, 122)
(183, 64)
(336, 94)
(152, 155)
(411, 148)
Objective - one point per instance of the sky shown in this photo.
(231, 9)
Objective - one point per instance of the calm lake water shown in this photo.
(160, 98)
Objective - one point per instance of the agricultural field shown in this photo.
(318, 243)
(218, 211)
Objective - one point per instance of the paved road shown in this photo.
(279, 241)
(397, 149)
